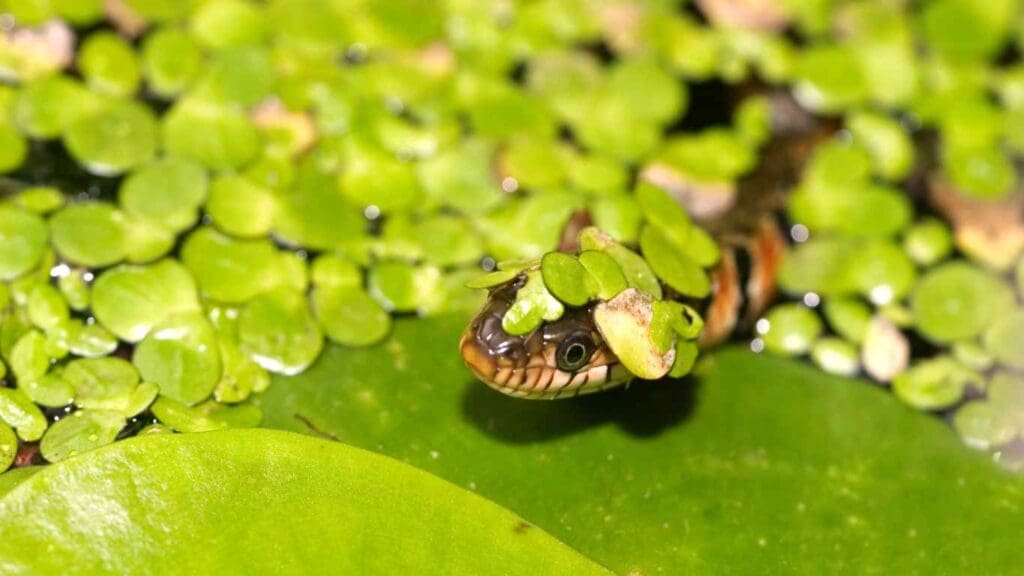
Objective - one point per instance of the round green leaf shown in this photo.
(79, 432)
(625, 324)
(230, 270)
(606, 273)
(171, 60)
(791, 329)
(241, 207)
(18, 411)
(52, 390)
(23, 238)
(928, 242)
(45, 107)
(121, 135)
(279, 332)
(89, 234)
(533, 305)
(674, 267)
(934, 384)
(129, 300)
(168, 191)
(1005, 339)
(219, 137)
(46, 307)
(348, 315)
(13, 148)
(108, 64)
(8, 447)
(181, 356)
(957, 300)
(567, 279)
(228, 23)
(101, 383)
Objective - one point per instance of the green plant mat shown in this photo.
(763, 465)
(261, 502)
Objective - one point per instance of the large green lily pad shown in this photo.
(261, 502)
(763, 465)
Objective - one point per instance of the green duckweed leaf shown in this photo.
(171, 61)
(129, 300)
(241, 376)
(228, 23)
(205, 417)
(449, 240)
(8, 448)
(983, 425)
(181, 355)
(46, 307)
(219, 137)
(1004, 339)
(348, 315)
(966, 30)
(229, 270)
(928, 241)
(29, 358)
(637, 271)
(79, 432)
(108, 64)
(664, 213)
(51, 390)
(23, 237)
(40, 199)
(90, 234)
(934, 384)
(567, 279)
(606, 272)
(848, 317)
(89, 340)
(75, 289)
(101, 383)
(958, 300)
(46, 106)
(402, 287)
(461, 177)
(830, 79)
(791, 329)
(836, 356)
(649, 89)
(238, 76)
(330, 271)
(533, 305)
(241, 207)
(492, 279)
(119, 136)
(13, 148)
(18, 411)
(891, 150)
(673, 266)
(373, 178)
(314, 215)
(738, 432)
(882, 272)
(168, 191)
(324, 492)
(279, 332)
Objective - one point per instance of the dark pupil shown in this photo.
(575, 353)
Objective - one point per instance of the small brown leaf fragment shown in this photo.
(886, 351)
(990, 231)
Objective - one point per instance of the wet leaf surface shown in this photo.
(718, 474)
(143, 506)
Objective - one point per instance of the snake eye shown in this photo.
(574, 352)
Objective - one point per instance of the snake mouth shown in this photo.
(536, 375)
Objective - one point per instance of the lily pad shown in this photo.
(333, 510)
(713, 463)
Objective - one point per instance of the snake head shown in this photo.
(561, 358)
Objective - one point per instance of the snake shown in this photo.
(570, 356)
